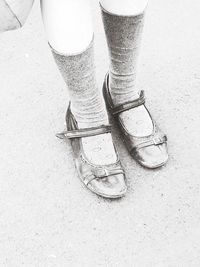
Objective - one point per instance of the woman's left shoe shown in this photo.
(109, 180)
(137, 146)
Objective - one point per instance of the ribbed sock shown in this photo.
(78, 72)
(123, 35)
(87, 103)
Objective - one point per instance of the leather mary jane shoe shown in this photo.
(138, 147)
(105, 180)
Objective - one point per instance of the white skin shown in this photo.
(69, 30)
(68, 24)
(125, 7)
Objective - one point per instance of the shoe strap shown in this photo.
(101, 173)
(85, 132)
(154, 140)
(129, 105)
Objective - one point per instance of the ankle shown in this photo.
(88, 119)
(119, 94)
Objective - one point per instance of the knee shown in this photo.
(68, 25)
(125, 7)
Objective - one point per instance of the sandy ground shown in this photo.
(47, 217)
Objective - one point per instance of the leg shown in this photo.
(69, 30)
(123, 23)
(123, 64)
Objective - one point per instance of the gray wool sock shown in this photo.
(123, 35)
(78, 71)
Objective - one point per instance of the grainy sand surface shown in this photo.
(47, 217)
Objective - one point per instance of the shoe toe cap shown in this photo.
(152, 157)
(109, 187)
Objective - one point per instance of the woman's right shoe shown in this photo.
(138, 146)
(105, 180)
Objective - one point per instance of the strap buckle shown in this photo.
(159, 140)
(101, 173)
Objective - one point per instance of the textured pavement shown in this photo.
(47, 217)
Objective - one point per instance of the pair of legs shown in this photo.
(70, 32)
(69, 28)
